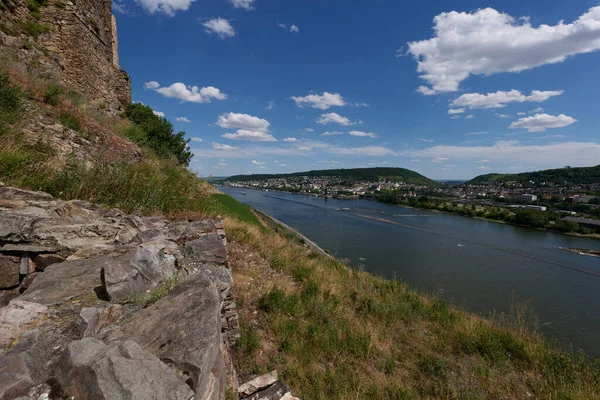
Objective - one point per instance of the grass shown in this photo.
(338, 333)
(155, 295)
(53, 93)
(33, 29)
(234, 208)
(70, 121)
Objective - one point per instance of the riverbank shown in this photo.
(335, 333)
(498, 221)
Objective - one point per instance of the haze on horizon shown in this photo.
(451, 90)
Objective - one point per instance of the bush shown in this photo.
(10, 96)
(33, 28)
(157, 133)
(70, 121)
(52, 94)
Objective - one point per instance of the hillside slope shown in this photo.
(578, 175)
(357, 174)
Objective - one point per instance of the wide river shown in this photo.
(480, 266)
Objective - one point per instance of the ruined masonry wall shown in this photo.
(84, 38)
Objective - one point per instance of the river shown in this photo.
(479, 266)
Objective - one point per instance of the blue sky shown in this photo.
(451, 89)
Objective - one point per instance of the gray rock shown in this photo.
(24, 366)
(151, 263)
(28, 248)
(70, 279)
(120, 279)
(182, 329)
(184, 231)
(258, 383)
(89, 369)
(92, 320)
(207, 249)
(277, 391)
(11, 193)
(16, 227)
(18, 317)
(9, 271)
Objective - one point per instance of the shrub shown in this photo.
(34, 29)
(158, 134)
(53, 94)
(70, 121)
(10, 96)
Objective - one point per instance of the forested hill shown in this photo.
(581, 175)
(357, 174)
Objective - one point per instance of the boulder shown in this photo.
(182, 329)
(258, 383)
(153, 262)
(11, 193)
(16, 227)
(43, 261)
(67, 280)
(276, 391)
(9, 271)
(207, 249)
(89, 369)
(18, 317)
(92, 320)
(182, 232)
(24, 365)
(120, 279)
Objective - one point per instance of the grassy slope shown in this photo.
(337, 333)
(580, 175)
(369, 174)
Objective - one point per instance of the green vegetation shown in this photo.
(70, 121)
(577, 176)
(10, 102)
(549, 219)
(357, 174)
(234, 208)
(53, 94)
(157, 133)
(337, 333)
(33, 29)
(34, 7)
(155, 295)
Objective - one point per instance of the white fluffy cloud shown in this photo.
(220, 146)
(363, 134)
(335, 119)
(426, 140)
(290, 140)
(197, 140)
(257, 162)
(512, 152)
(168, 7)
(159, 113)
(182, 119)
(245, 4)
(541, 122)
(294, 28)
(332, 133)
(486, 42)
(321, 102)
(192, 94)
(220, 27)
(250, 136)
(454, 111)
(500, 99)
(243, 121)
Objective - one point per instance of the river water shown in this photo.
(480, 266)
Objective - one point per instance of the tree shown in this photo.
(157, 133)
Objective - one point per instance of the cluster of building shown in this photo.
(328, 186)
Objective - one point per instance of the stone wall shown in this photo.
(83, 37)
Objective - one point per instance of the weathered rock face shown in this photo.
(89, 369)
(70, 260)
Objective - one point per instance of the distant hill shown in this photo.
(580, 175)
(357, 174)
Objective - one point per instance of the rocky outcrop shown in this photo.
(104, 305)
(89, 281)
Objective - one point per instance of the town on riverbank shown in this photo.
(568, 206)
